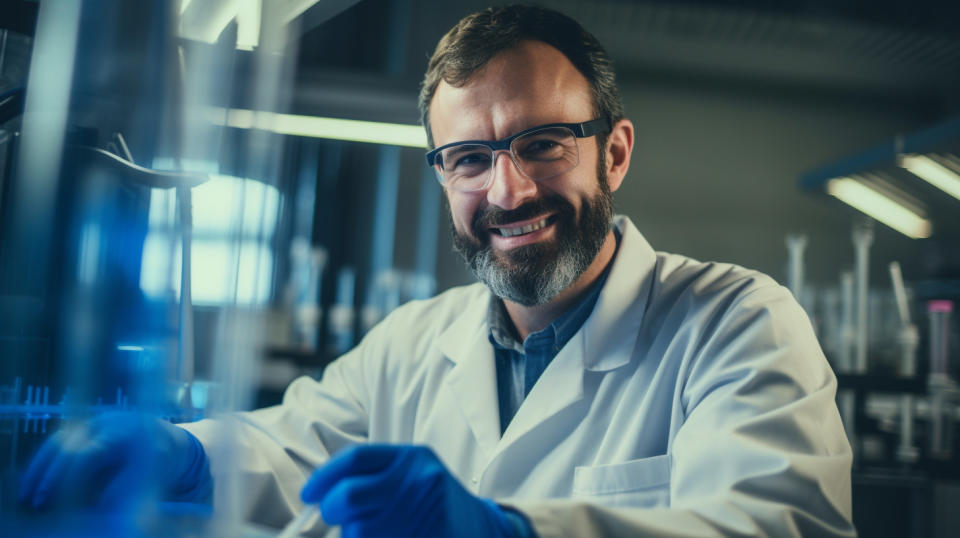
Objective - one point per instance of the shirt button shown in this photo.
(475, 480)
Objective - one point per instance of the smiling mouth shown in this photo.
(523, 230)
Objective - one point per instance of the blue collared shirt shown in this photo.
(519, 365)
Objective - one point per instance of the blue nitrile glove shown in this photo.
(114, 460)
(403, 491)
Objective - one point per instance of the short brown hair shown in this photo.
(477, 38)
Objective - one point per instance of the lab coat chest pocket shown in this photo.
(642, 483)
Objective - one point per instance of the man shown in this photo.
(589, 386)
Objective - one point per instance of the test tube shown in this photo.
(846, 398)
(862, 239)
(939, 312)
(906, 451)
(908, 339)
(847, 329)
(941, 423)
(796, 244)
(908, 336)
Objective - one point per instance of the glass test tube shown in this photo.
(941, 423)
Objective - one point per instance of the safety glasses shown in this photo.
(540, 153)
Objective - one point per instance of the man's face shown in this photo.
(526, 240)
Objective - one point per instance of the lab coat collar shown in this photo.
(472, 383)
(458, 341)
(608, 337)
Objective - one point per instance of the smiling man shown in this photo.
(587, 386)
(531, 222)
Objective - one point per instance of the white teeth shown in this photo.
(510, 232)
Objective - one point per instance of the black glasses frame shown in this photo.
(580, 130)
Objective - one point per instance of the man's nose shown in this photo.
(509, 188)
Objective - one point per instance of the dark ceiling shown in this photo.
(903, 50)
(875, 48)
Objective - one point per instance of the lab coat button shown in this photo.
(475, 480)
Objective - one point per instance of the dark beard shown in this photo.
(534, 274)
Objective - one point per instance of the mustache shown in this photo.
(493, 216)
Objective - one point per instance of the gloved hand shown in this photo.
(403, 491)
(114, 460)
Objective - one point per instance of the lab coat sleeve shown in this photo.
(761, 450)
(260, 459)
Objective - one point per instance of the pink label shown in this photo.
(939, 306)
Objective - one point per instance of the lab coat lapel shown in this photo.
(611, 332)
(472, 383)
(606, 341)
(560, 386)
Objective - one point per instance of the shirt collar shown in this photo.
(501, 328)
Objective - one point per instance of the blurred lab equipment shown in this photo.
(873, 340)
(908, 338)
(307, 271)
(796, 244)
(862, 238)
(109, 157)
(943, 389)
(167, 251)
(900, 412)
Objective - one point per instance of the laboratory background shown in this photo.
(201, 200)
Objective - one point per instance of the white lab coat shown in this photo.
(695, 400)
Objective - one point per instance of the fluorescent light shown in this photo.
(880, 207)
(394, 134)
(248, 24)
(933, 173)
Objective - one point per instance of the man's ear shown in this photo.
(619, 148)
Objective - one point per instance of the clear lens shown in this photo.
(546, 153)
(540, 155)
(465, 167)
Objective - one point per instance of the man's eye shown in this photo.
(540, 146)
(542, 149)
(472, 159)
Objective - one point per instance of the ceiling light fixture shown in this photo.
(880, 207)
(394, 134)
(933, 173)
